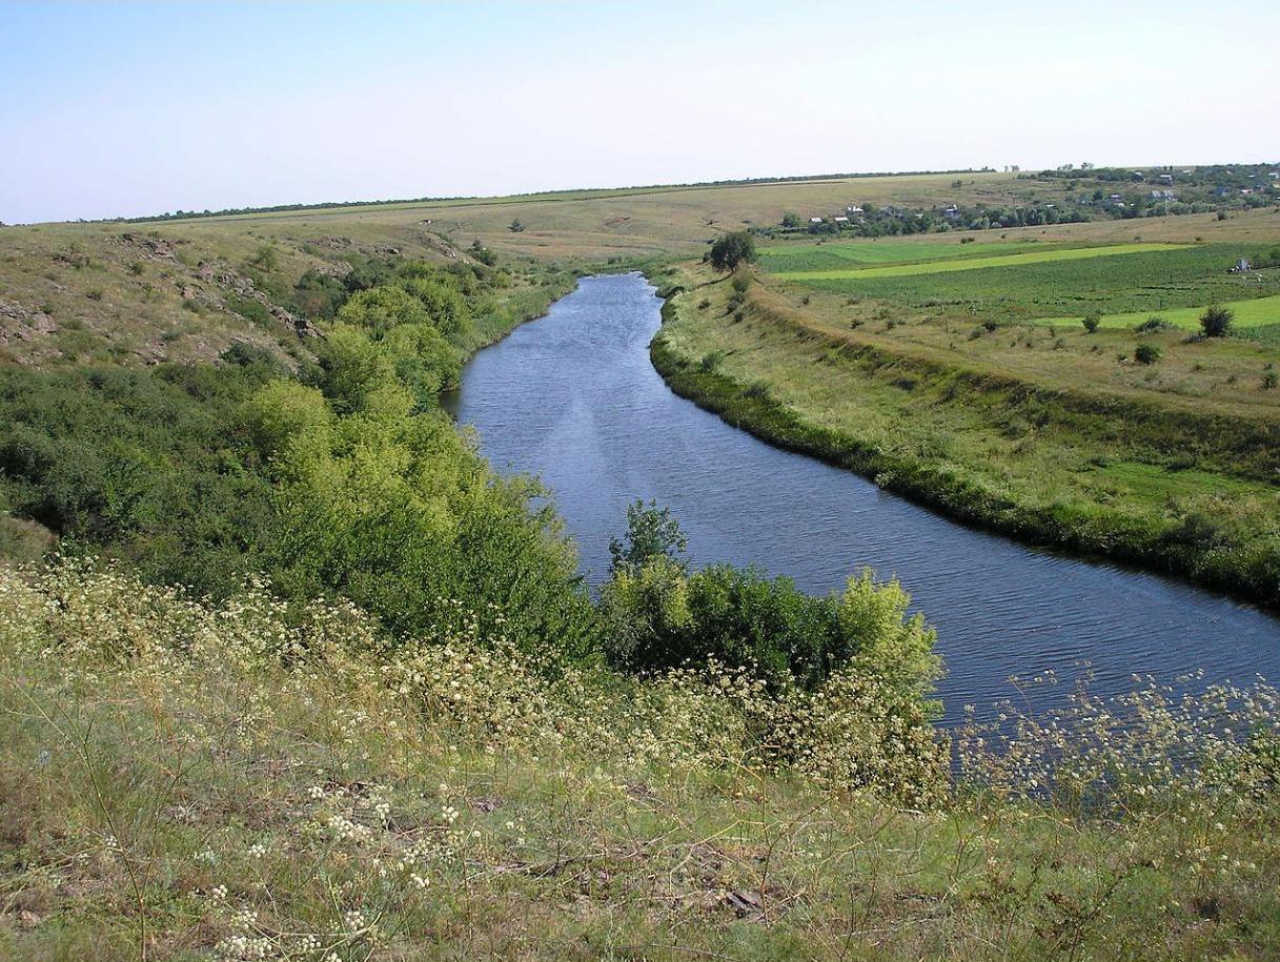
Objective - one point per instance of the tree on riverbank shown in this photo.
(732, 249)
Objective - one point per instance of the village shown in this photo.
(1149, 193)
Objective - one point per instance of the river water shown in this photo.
(573, 399)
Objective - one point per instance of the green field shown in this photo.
(1258, 312)
(1038, 256)
(1147, 278)
(794, 258)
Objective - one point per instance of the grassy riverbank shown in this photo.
(1157, 479)
(186, 781)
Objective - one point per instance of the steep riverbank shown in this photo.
(1098, 477)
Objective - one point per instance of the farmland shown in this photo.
(1058, 282)
(1255, 313)
(951, 265)
(798, 257)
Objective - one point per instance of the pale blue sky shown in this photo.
(113, 109)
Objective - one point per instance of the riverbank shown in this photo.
(173, 788)
(1102, 475)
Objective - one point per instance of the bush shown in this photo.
(1216, 320)
(1091, 322)
(1154, 323)
(659, 618)
(1146, 354)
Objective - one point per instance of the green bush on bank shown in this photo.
(658, 617)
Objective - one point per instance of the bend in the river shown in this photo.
(573, 398)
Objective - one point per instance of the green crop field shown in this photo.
(1036, 256)
(841, 255)
(1147, 279)
(1258, 312)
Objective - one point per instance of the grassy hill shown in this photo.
(189, 781)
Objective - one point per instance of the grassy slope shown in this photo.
(172, 790)
(1019, 435)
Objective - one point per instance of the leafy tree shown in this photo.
(380, 309)
(1091, 322)
(439, 293)
(792, 221)
(732, 249)
(1216, 320)
(651, 533)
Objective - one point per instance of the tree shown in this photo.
(1216, 320)
(515, 226)
(791, 220)
(651, 533)
(732, 249)
(1091, 322)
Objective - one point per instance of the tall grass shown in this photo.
(183, 780)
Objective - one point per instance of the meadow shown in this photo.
(242, 782)
(1058, 283)
(1038, 256)
(805, 256)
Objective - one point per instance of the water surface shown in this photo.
(573, 398)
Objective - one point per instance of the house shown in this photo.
(815, 220)
(1275, 174)
(1166, 178)
(1242, 265)
(1166, 195)
(951, 213)
(854, 209)
(842, 220)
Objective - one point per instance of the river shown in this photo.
(573, 399)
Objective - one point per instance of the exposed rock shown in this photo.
(23, 324)
(300, 325)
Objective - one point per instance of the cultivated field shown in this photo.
(1057, 282)
(1259, 312)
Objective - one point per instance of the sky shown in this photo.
(125, 109)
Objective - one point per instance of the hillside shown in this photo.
(185, 781)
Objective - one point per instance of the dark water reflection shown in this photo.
(573, 398)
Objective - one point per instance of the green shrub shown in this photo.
(1146, 353)
(657, 617)
(1216, 320)
(1091, 322)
